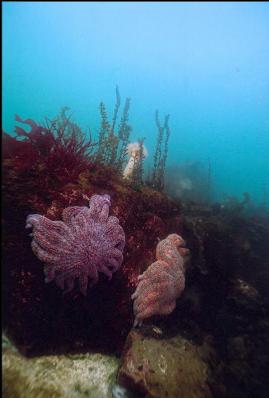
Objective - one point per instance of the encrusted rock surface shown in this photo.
(165, 367)
(57, 376)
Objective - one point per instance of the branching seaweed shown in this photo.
(123, 134)
(62, 146)
(103, 134)
(161, 153)
(59, 150)
(117, 106)
(111, 144)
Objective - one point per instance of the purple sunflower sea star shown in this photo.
(86, 242)
(163, 281)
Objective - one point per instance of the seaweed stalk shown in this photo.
(123, 135)
(161, 152)
(103, 134)
(112, 145)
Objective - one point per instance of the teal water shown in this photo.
(206, 64)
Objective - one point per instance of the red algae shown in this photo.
(36, 315)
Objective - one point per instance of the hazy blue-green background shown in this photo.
(207, 65)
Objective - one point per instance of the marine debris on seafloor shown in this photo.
(217, 335)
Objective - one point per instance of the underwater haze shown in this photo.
(205, 64)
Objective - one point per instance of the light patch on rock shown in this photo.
(76, 376)
(171, 368)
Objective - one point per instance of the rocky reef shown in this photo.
(38, 316)
(214, 344)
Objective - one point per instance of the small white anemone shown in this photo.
(133, 151)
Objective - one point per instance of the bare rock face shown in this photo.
(165, 367)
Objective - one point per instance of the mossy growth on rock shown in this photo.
(58, 376)
(165, 367)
